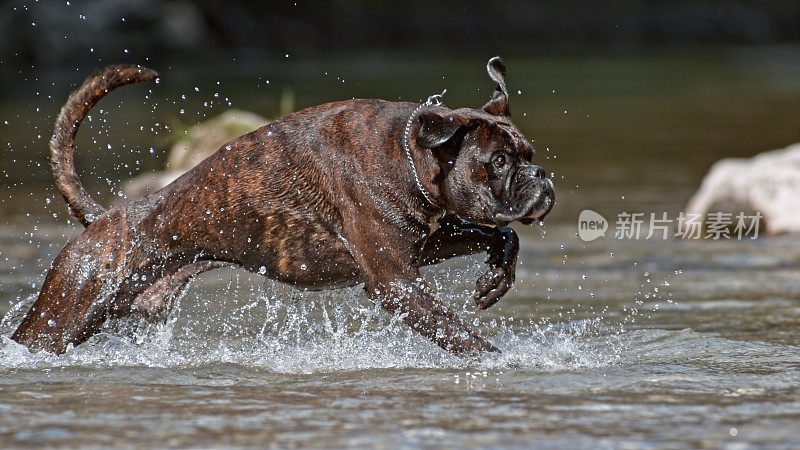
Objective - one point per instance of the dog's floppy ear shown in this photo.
(498, 105)
(436, 130)
(442, 135)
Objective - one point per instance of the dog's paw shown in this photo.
(493, 285)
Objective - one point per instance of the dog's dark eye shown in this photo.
(499, 160)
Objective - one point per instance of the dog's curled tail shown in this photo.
(62, 145)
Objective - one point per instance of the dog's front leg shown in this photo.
(414, 303)
(456, 237)
(391, 280)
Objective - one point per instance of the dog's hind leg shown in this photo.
(73, 302)
(113, 269)
(82, 285)
(155, 302)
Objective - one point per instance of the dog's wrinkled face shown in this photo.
(488, 176)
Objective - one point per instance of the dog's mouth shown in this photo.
(539, 210)
(547, 198)
(534, 210)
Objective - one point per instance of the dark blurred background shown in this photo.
(628, 102)
(182, 30)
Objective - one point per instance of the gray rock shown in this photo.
(768, 183)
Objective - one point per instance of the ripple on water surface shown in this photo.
(332, 369)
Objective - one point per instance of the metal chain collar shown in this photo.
(433, 100)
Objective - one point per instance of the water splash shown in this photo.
(284, 330)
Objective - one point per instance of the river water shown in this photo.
(611, 343)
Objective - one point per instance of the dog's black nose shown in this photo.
(539, 172)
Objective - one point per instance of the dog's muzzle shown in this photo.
(534, 196)
(542, 205)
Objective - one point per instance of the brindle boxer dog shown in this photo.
(359, 191)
